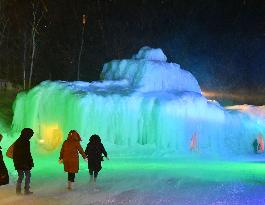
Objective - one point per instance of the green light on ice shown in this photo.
(205, 170)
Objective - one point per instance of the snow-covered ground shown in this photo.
(146, 181)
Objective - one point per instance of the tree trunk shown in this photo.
(36, 6)
(32, 56)
(80, 53)
(24, 60)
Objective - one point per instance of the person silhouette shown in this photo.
(94, 151)
(69, 156)
(260, 144)
(23, 160)
(255, 145)
(4, 177)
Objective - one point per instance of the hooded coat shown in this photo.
(69, 152)
(4, 177)
(94, 151)
(21, 154)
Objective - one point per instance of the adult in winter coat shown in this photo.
(94, 151)
(69, 156)
(4, 177)
(22, 159)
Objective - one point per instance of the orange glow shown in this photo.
(51, 137)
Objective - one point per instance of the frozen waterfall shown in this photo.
(140, 101)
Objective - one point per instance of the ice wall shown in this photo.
(143, 101)
(2, 127)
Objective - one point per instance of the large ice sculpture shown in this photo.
(143, 101)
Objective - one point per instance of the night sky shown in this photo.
(222, 43)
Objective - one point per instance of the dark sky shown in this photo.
(221, 42)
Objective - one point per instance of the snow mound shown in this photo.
(148, 71)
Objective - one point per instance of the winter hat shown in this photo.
(27, 133)
(75, 135)
(95, 139)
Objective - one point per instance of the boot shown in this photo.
(26, 189)
(70, 186)
(95, 184)
(91, 179)
(27, 192)
(18, 189)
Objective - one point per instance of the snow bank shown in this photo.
(140, 102)
(258, 111)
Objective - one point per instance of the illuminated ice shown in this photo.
(1, 126)
(140, 102)
(148, 71)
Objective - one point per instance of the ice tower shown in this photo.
(143, 101)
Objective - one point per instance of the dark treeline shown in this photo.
(220, 42)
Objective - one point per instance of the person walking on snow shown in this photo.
(94, 151)
(69, 156)
(23, 161)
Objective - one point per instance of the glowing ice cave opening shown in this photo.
(143, 101)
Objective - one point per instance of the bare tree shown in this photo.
(81, 47)
(38, 11)
(24, 65)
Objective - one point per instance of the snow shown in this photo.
(145, 181)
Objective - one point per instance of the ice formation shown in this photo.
(148, 71)
(142, 101)
(3, 126)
